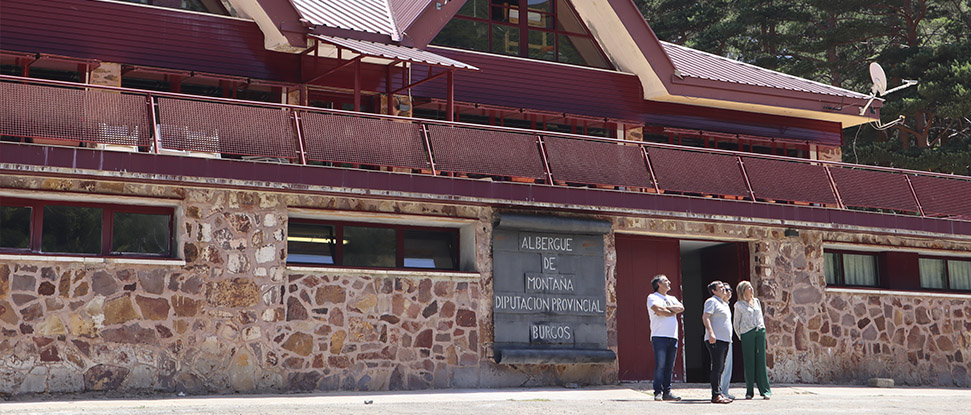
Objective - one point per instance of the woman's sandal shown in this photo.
(720, 399)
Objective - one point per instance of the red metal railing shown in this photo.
(136, 120)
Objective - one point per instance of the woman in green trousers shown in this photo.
(750, 326)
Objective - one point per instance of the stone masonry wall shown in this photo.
(820, 336)
(234, 318)
(850, 337)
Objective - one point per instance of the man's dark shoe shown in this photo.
(669, 397)
(658, 397)
(720, 399)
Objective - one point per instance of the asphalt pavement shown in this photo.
(628, 398)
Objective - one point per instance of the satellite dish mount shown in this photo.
(879, 78)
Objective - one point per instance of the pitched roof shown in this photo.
(372, 16)
(703, 65)
(406, 11)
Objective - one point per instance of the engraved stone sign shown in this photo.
(549, 290)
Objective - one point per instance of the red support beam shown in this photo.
(387, 83)
(355, 61)
(357, 85)
(406, 87)
(450, 102)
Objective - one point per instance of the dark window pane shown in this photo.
(503, 11)
(430, 249)
(369, 247)
(544, 6)
(563, 128)
(566, 19)
(204, 90)
(832, 266)
(464, 34)
(541, 45)
(71, 229)
(15, 227)
(580, 51)
(141, 233)
(56, 74)
(516, 123)
(310, 243)
(475, 8)
(505, 40)
(150, 84)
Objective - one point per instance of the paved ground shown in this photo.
(622, 399)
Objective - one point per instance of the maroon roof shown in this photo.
(546, 86)
(406, 11)
(703, 65)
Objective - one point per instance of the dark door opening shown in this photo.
(701, 263)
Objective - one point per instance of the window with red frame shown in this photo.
(945, 274)
(539, 29)
(369, 245)
(52, 227)
(851, 268)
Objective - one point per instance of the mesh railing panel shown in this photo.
(344, 139)
(597, 163)
(873, 189)
(469, 150)
(788, 181)
(92, 116)
(225, 128)
(940, 196)
(697, 172)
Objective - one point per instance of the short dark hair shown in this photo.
(714, 286)
(656, 281)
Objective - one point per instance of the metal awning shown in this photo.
(394, 52)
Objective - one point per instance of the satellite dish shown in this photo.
(879, 78)
(879, 87)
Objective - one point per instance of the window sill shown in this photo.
(880, 291)
(92, 260)
(388, 273)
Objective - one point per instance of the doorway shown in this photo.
(690, 265)
(701, 263)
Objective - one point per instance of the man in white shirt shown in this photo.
(663, 310)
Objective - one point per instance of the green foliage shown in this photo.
(833, 42)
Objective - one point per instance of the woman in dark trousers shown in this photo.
(717, 317)
(749, 323)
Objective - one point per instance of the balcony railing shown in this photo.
(54, 112)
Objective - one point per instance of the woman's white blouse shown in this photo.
(748, 317)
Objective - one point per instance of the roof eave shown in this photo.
(351, 34)
(845, 110)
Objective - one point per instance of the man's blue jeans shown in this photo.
(665, 350)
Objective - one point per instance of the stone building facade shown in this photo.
(229, 315)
